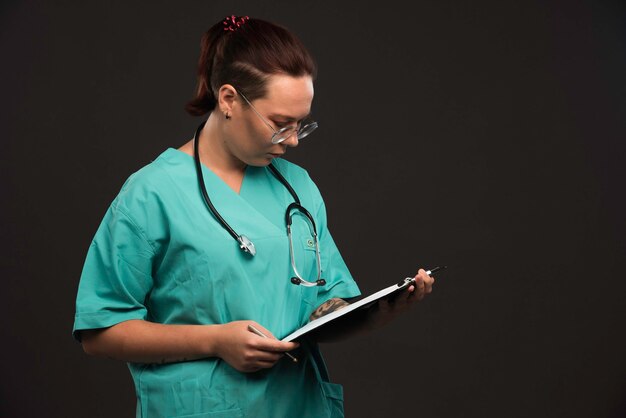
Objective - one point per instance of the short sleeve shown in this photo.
(116, 276)
(339, 281)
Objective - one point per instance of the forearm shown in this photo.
(327, 307)
(147, 342)
(379, 314)
(339, 331)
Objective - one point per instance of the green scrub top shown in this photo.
(160, 255)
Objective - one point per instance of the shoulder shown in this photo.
(141, 208)
(148, 185)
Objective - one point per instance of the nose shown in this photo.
(292, 141)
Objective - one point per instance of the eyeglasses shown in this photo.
(283, 133)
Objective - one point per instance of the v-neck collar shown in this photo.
(205, 168)
(216, 186)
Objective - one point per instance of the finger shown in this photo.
(254, 358)
(428, 281)
(412, 291)
(267, 361)
(271, 343)
(266, 344)
(257, 366)
(264, 330)
(419, 287)
(422, 273)
(429, 284)
(429, 287)
(266, 364)
(267, 357)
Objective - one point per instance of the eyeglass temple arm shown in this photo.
(255, 111)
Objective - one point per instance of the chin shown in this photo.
(260, 162)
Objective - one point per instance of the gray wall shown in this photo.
(487, 136)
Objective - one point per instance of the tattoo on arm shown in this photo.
(327, 307)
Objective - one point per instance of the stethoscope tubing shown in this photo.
(202, 185)
(244, 243)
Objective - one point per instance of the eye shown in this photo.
(281, 125)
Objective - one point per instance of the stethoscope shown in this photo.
(244, 242)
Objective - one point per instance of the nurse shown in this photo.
(167, 289)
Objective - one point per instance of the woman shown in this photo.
(192, 253)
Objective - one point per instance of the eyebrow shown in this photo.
(288, 118)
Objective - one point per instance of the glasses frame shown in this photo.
(301, 132)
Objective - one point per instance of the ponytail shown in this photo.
(245, 52)
(205, 100)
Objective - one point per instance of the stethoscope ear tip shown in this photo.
(298, 281)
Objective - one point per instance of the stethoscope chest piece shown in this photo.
(246, 245)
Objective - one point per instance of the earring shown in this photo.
(226, 115)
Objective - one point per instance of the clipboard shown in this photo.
(353, 312)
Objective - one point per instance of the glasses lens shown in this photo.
(283, 134)
(307, 129)
(287, 131)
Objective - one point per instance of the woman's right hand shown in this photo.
(247, 352)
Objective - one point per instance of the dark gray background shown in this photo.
(488, 136)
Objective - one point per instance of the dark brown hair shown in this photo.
(245, 58)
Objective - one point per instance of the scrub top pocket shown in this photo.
(196, 390)
(307, 267)
(309, 296)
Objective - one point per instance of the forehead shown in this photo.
(288, 96)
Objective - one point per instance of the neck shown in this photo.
(214, 151)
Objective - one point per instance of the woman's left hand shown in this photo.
(387, 309)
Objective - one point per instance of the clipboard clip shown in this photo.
(406, 281)
(429, 272)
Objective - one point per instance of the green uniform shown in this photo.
(160, 255)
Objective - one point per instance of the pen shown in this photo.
(435, 269)
(260, 334)
(412, 279)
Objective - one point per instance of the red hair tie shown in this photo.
(232, 22)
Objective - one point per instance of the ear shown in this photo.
(226, 98)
